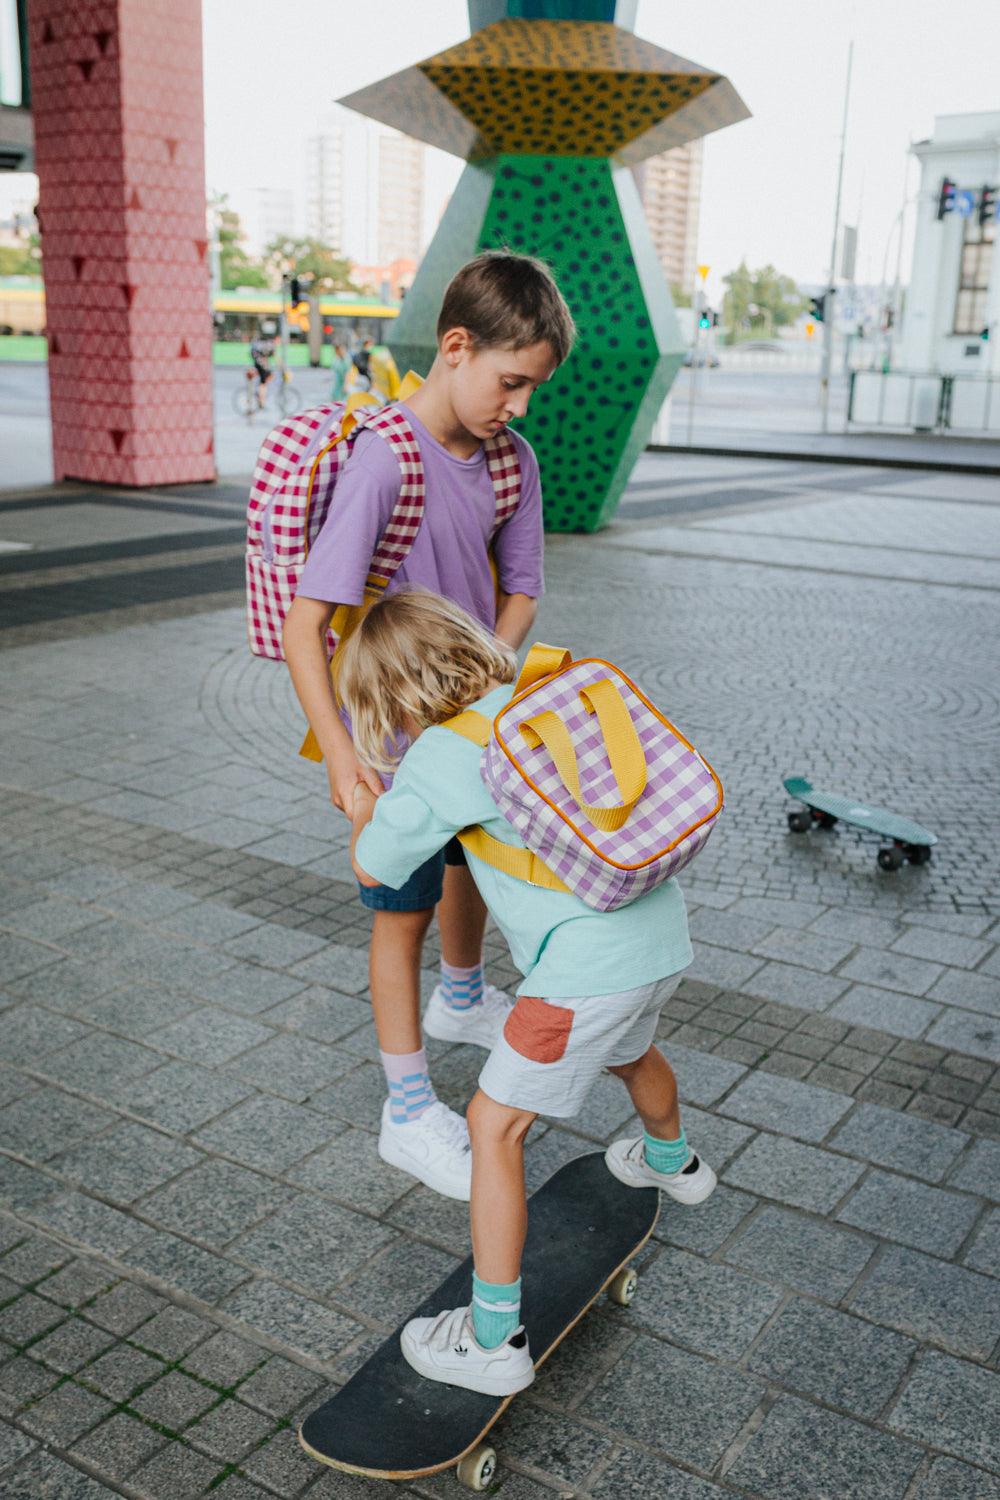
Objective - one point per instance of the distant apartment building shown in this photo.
(670, 189)
(275, 213)
(399, 199)
(324, 163)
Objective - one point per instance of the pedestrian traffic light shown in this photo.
(987, 204)
(705, 321)
(294, 291)
(817, 308)
(985, 335)
(715, 320)
(946, 197)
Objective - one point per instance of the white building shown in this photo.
(952, 319)
(670, 189)
(399, 196)
(324, 163)
(274, 213)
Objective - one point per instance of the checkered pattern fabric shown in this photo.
(293, 486)
(665, 830)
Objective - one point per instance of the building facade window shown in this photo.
(974, 277)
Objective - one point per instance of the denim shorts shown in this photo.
(421, 891)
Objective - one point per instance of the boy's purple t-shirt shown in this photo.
(450, 553)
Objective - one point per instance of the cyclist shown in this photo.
(261, 354)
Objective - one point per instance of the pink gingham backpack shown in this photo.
(294, 482)
(608, 796)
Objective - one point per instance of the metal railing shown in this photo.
(924, 402)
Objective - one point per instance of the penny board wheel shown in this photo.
(478, 1468)
(890, 859)
(799, 822)
(624, 1286)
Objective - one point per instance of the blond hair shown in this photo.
(508, 301)
(415, 660)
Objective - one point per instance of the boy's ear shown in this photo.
(455, 343)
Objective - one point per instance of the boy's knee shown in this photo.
(488, 1120)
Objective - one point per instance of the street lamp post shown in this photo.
(828, 321)
(698, 303)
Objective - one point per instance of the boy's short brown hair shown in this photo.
(508, 301)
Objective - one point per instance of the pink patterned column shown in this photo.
(119, 125)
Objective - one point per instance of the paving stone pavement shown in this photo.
(197, 1237)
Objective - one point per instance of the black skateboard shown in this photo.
(390, 1423)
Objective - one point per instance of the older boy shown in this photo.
(503, 330)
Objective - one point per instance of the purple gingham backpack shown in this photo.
(608, 796)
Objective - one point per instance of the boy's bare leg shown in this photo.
(461, 919)
(499, 1208)
(394, 976)
(650, 1081)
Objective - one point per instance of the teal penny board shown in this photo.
(388, 1422)
(909, 840)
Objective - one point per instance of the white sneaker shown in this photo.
(434, 1148)
(692, 1184)
(445, 1348)
(480, 1024)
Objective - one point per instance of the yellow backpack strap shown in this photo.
(471, 726)
(509, 860)
(621, 742)
(541, 661)
(411, 382)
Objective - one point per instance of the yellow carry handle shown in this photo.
(541, 661)
(625, 752)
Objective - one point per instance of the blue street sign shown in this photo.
(965, 202)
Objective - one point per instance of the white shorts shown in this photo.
(552, 1052)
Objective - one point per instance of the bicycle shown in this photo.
(248, 400)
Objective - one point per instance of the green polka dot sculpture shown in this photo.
(552, 102)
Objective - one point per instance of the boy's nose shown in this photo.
(517, 403)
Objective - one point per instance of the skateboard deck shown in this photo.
(909, 840)
(391, 1423)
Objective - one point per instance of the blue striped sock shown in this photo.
(410, 1087)
(461, 989)
(496, 1310)
(666, 1156)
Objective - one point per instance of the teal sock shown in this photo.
(496, 1310)
(666, 1156)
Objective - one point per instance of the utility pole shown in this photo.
(828, 321)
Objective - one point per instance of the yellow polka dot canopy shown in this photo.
(551, 102)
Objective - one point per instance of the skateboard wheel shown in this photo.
(826, 820)
(890, 859)
(799, 822)
(478, 1468)
(918, 854)
(624, 1286)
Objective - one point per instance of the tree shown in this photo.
(24, 259)
(680, 297)
(759, 301)
(300, 255)
(236, 267)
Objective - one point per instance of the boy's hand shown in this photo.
(344, 773)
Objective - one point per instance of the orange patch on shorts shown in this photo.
(537, 1030)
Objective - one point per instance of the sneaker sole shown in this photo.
(443, 1033)
(441, 1185)
(692, 1196)
(430, 1371)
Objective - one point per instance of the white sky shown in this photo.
(273, 69)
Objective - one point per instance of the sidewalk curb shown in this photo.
(856, 460)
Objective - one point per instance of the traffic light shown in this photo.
(985, 335)
(294, 291)
(946, 197)
(705, 321)
(817, 308)
(987, 204)
(715, 320)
